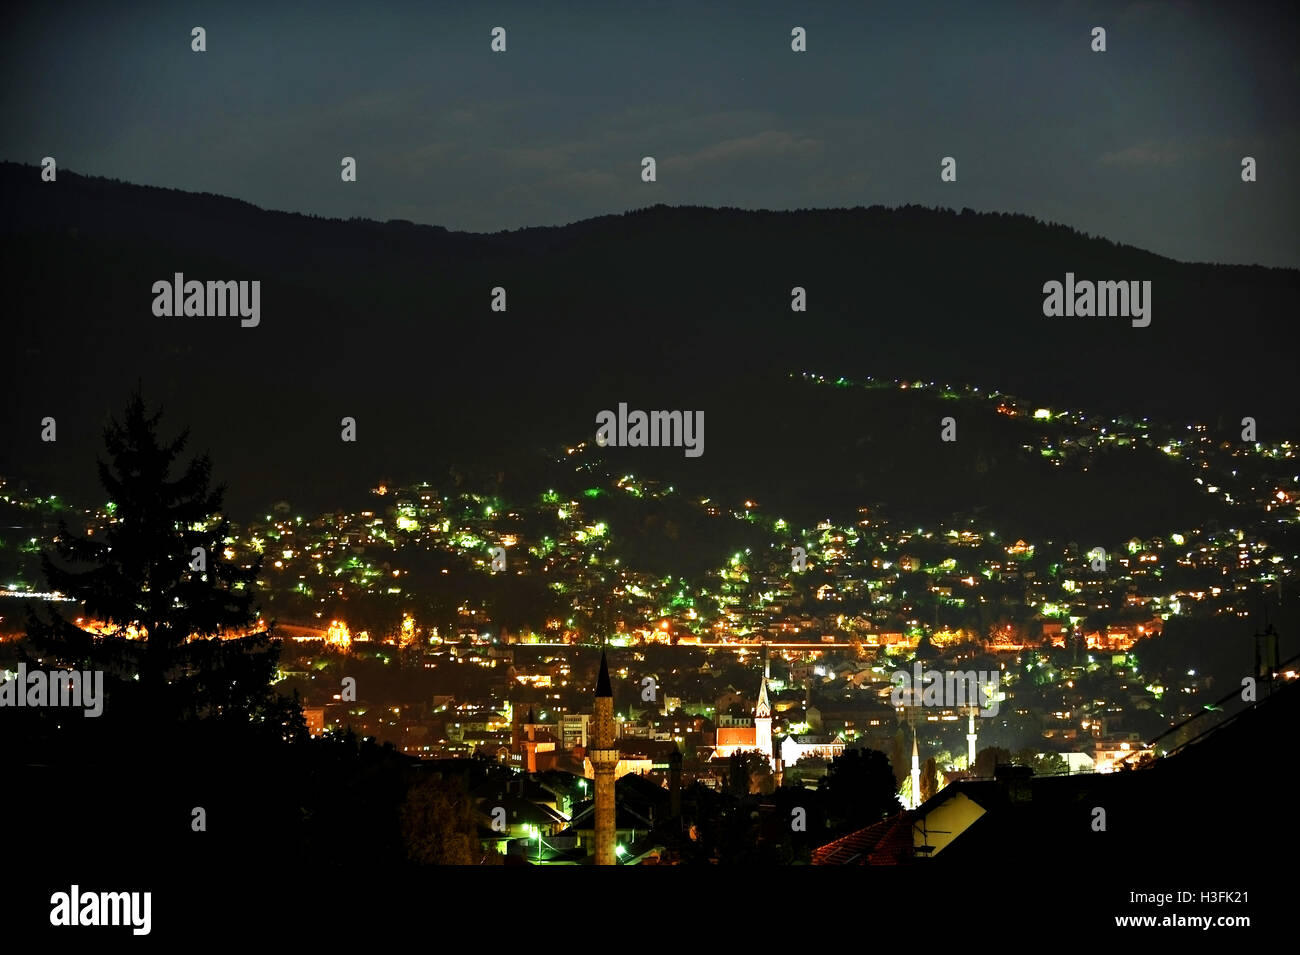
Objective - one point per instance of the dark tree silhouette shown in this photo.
(929, 779)
(989, 759)
(859, 789)
(437, 822)
(1046, 764)
(750, 772)
(898, 760)
(162, 649)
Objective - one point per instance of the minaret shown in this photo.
(916, 773)
(604, 759)
(763, 721)
(970, 741)
(529, 742)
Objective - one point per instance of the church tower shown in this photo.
(763, 721)
(604, 760)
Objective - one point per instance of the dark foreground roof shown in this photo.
(888, 842)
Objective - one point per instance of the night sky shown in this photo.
(1141, 144)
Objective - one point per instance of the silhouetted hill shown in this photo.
(664, 308)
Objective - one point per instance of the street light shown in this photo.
(535, 832)
(532, 834)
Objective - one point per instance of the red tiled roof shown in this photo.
(888, 842)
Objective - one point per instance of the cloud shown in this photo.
(768, 144)
(555, 157)
(1145, 154)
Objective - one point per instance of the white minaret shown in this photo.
(916, 774)
(763, 722)
(970, 740)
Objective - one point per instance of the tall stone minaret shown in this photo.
(604, 760)
(970, 740)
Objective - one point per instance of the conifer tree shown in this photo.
(163, 611)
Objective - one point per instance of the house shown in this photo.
(1188, 811)
(795, 748)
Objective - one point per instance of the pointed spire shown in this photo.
(764, 709)
(602, 682)
(916, 774)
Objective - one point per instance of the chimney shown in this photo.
(675, 784)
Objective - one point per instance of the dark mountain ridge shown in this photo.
(664, 308)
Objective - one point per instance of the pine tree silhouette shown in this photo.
(162, 650)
